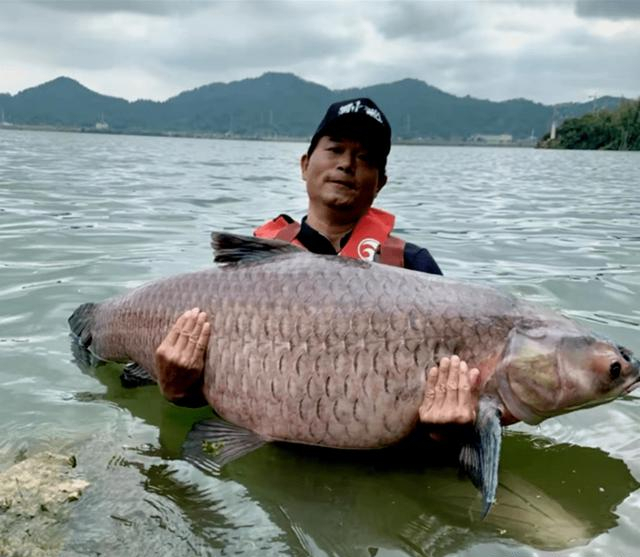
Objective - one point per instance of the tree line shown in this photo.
(613, 129)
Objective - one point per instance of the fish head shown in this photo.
(594, 370)
(547, 371)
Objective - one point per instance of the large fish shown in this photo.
(334, 352)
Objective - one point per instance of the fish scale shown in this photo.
(335, 320)
(335, 352)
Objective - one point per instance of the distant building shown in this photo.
(498, 139)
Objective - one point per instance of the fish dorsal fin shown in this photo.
(233, 248)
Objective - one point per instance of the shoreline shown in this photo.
(524, 143)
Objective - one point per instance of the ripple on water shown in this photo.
(88, 216)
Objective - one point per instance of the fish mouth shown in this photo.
(633, 386)
(636, 382)
(635, 366)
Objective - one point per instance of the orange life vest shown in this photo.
(370, 240)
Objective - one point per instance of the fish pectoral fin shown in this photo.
(211, 444)
(232, 248)
(134, 375)
(480, 458)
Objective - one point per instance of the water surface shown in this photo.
(83, 217)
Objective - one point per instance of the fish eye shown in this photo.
(615, 370)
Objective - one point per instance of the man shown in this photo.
(344, 169)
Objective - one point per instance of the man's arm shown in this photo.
(180, 359)
(419, 259)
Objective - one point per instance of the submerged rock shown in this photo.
(34, 504)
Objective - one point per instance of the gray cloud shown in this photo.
(202, 42)
(584, 65)
(149, 7)
(497, 50)
(263, 37)
(608, 9)
(428, 20)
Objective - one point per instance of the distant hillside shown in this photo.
(271, 105)
(616, 129)
(283, 105)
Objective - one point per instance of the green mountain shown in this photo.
(416, 109)
(271, 105)
(283, 105)
(61, 102)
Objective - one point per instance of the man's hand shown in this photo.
(451, 395)
(180, 357)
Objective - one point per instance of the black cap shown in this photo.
(358, 118)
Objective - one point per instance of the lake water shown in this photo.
(83, 217)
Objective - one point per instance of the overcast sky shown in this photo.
(545, 50)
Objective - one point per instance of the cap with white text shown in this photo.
(357, 119)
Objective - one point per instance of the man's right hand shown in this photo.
(451, 398)
(180, 358)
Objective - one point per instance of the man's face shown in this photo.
(341, 175)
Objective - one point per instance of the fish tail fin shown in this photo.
(81, 321)
(481, 457)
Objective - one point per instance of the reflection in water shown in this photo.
(303, 500)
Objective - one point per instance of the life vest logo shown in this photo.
(367, 249)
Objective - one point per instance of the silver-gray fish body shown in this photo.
(318, 350)
(335, 352)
